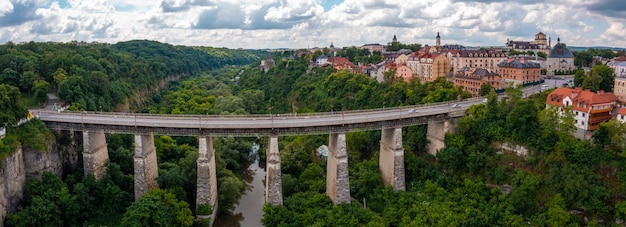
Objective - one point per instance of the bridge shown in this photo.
(390, 121)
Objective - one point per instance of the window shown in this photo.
(583, 114)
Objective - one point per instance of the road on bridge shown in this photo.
(275, 121)
(254, 121)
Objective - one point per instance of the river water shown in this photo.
(249, 210)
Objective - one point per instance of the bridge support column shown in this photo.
(146, 166)
(273, 181)
(337, 180)
(391, 160)
(95, 153)
(206, 191)
(436, 134)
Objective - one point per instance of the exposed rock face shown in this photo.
(518, 149)
(37, 162)
(12, 181)
(23, 165)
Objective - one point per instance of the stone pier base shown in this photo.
(273, 181)
(391, 160)
(436, 135)
(206, 191)
(146, 166)
(337, 180)
(95, 153)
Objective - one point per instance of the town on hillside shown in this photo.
(517, 63)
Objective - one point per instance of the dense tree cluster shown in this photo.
(101, 76)
(295, 88)
(584, 58)
(600, 77)
(396, 46)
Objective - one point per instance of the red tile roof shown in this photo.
(577, 95)
(621, 58)
(622, 111)
(341, 63)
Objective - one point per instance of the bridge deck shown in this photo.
(253, 125)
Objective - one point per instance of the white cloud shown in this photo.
(302, 23)
(294, 11)
(5, 7)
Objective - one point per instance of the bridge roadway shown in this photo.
(253, 125)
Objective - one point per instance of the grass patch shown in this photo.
(8, 145)
(34, 134)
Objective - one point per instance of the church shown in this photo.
(560, 58)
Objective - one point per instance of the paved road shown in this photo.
(255, 121)
(354, 119)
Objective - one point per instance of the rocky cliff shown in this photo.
(25, 164)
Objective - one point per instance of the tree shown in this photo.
(12, 108)
(607, 74)
(557, 214)
(592, 82)
(158, 208)
(59, 76)
(485, 89)
(620, 210)
(579, 77)
(611, 135)
(10, 77)
(390, 76)
(40, 90)
(555, 119)
(27, 80)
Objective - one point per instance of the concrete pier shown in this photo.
(436, 135)
(206, 190)
(337, 179)
(95, 153)
(146, 166)
(273, 181)
(391, 160)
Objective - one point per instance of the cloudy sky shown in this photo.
(314, 23)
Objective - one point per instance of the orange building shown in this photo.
(471, 81)
(340, 63)
(402, 71)
(519, 70)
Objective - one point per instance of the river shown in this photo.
(249, 210)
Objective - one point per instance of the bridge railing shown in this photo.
(274, 115)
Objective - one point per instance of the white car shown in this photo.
(485, 100)
(456, 105)
(412, 111)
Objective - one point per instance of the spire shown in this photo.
(549, 41)
(438, 35)
(394, 38)
(331, 45)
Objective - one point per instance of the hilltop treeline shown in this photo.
(101, 76)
